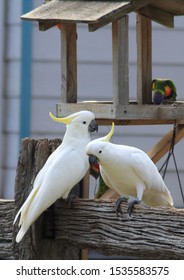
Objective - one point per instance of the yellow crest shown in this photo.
(66, 120)
(109, 135)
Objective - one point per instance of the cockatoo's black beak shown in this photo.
(93, 126)
(93, 160)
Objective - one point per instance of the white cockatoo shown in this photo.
(130, 172)
(64, 168)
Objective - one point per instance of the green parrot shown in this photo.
(164, 90)
(95, 172)
(102, 187)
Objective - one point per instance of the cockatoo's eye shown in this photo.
(100, 151)
(84, 122)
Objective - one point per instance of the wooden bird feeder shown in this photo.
(97, 14)
(122, 110)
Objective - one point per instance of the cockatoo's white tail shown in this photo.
(20, 234)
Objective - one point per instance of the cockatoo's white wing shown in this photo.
(155, 189)
(63, 169)
(57, 183)
(36, 186)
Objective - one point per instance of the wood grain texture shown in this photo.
(151, 233)
(6, 228)
(95, 13)
(100, 13)
(69, 63)
(120, 61)
(175, 7)
(144, 60)
(132, 114)
(158, 15)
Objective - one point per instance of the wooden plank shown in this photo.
(131, 114)
(6, 228)
(120, 61)
(95, 13)
(119, 13)
(158, 15)
(69, 63)
(44, 26)
(144, 60)
(163, 146)
(175, 7)
(94, 224)
(78, 11)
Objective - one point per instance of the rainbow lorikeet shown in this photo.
(164, 90)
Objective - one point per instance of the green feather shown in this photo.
(102, 187)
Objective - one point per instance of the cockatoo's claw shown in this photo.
(131, 205)
(118, 202)
(70, 199)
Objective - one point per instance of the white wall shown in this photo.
(94, 82)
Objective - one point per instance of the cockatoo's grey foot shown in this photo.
(118, 202)
(70, 199)
(131, 205)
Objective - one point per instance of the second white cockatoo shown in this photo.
(130, 172)
(64, 168)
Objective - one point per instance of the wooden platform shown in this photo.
(132, 114)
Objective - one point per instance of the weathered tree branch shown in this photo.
(6, 228)
(151, 233)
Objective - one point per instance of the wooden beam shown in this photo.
(131, 114)
(94, 224)
(68, 63)
(144, 60)
(120, 61)
(158, 15)
(163, 146)
(6, 228)
(44, 26)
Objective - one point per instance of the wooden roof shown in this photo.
(95, 13)
(99, 13)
